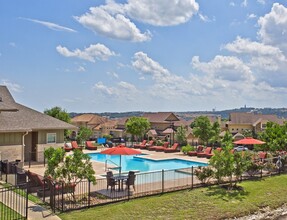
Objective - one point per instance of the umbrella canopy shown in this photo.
(249, 141)
(120, 150)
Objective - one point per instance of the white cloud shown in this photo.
(50, 25)
(251, 16)
(12, 44)
(205, 18)
(162, 12)
(12, 86)
(81, 69)
(113, 74)
(232, 4)
(224, 67)
(273, 27)
(261, 2)
(109, 20)
(244, 3)
(92, 53)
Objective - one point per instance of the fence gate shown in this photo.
(13, 202)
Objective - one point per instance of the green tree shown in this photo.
(202, 128)
(181, 135)
(275, 137)
(137, 126)
(83, 134)
(61, 114)
(68, 169)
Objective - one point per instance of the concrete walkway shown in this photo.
(35, 211)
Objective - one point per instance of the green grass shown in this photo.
(202, 203)
(7, 213)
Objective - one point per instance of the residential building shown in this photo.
(255, 122)
(24, 132)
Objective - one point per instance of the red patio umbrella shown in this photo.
(120, 150)
(249, 141)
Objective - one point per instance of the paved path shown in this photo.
(35, 212)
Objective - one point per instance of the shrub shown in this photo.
(204, 174)
(187, 148)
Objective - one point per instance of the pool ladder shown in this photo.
(108, 168)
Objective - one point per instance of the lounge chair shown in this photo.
(60, 188)
(194, 153)
(205, 153)
(159, 148)
(143, 143)
(75, 145)
(208, 156)
(146, 146)
(90, 146)
(68, 147)
(131, 180)
(172, 149)
(262, 156)
(35, 183)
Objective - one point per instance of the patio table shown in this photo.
(120, 180)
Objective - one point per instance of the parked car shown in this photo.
(240, 148)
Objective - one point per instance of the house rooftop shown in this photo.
(22, 118)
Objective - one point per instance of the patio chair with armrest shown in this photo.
(173, 149)
(35, 183)
(143, 143)
(68, 147)
(90, 146)
(111, 181)
(60, 187)
(206, 152)
(131, 180)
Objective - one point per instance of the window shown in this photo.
(51, 138)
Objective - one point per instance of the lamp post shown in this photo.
(172, 128)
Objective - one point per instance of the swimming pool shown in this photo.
(144, 164)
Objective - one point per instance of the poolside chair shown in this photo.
(57, 188)
(172, 149)
(194, 153)
(143, 143)
(110, 181)
(75, 145)
(262, 156)
(90, 146)
(208, 156)
(146, 146)
(159, 148)
(205, 153)
(131, 180)
(35, 183)
(68, 147)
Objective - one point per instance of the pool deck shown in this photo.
(99, 167)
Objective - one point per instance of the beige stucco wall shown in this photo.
(42, 136)
(10, 139)
(11, 152)
(234, 128)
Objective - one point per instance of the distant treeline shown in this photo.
(280, 112)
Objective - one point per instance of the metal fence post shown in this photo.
(162, 181)
(62, 207)
(27, 194)
(192, 177)
(89, 194)
(30, 159)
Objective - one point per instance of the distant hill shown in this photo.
(280, 112)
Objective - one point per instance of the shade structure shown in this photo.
(249, 141)
(121, 150)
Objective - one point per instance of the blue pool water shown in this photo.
(144, 164)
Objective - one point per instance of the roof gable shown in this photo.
(161, 117)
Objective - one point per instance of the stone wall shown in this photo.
(11, 153)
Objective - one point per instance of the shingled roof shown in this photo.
(26, 119)
(251, 118)
(161, 117)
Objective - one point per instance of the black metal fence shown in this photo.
(14, 202)
(86, 195)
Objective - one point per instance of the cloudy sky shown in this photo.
(146, 55)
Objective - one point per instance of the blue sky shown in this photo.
(148, 55)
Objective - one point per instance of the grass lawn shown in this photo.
(202, 203)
